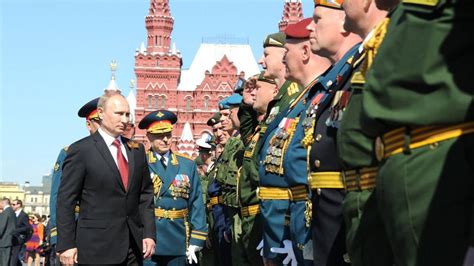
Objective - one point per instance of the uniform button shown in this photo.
(319, 137)
(318, 191)
(317, 163)
(159, 197)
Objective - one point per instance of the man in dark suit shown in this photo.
(110, 177)
(7, 227)
(21, 232)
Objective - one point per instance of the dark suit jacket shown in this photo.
(110, 215)
(22, 227)
(7, 227)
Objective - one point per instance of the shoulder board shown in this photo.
(133, 144)
(184, 156)
(293, 88)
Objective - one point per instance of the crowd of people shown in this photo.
(24, 238)
(353, 146)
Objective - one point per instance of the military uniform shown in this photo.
(252, 222)
(319, 124)
(56, 180)
(179, 207)
(365, 231)
(417, 101)
(88, 111)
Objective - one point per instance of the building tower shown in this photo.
(157, 66)
(292, 13)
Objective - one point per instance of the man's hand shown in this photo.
(191, 253)
(68, 257)
(148, 247)
(208, 243)
(286, 249)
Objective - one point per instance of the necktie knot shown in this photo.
(163, 161)
(116, 143)
(121, 163)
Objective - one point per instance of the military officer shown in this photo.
(261, 93)
(227, 175)
(277, 188)
(272, 64)
(89, 112)
(221, 223)
(320, 122)
(204, 162)
(417, 102)
(365, 236)
(179, 209)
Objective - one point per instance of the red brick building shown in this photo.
(193, 94)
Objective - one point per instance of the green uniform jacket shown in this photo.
(228, 170)
(248, 181)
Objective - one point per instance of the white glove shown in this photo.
(260, 247)
(286, 249)
(191, 253)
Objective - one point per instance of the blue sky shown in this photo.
(55, 56)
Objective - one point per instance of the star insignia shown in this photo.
(160, 114)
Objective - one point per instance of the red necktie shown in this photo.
(122, 163)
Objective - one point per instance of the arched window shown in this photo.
(150, 104)
(206, 102)
(157, 102)
(188, 103)
(163, 101)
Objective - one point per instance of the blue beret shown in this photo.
(157, 122)
(234, 100)
(89, 110)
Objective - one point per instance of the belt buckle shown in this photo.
(379, 149)
(166, 214)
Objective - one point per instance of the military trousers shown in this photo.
(425, 198)
(328, 228)
(364, 230)
(252, 227)
(236, 237)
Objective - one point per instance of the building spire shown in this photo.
(159, 25)
(112, 84)
(292, 13)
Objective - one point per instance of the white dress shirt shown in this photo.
(109, 140)
(165, 156)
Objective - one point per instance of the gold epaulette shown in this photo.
(184, 156)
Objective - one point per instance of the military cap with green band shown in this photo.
(262, 78)
(214, 119)
(275, 40)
